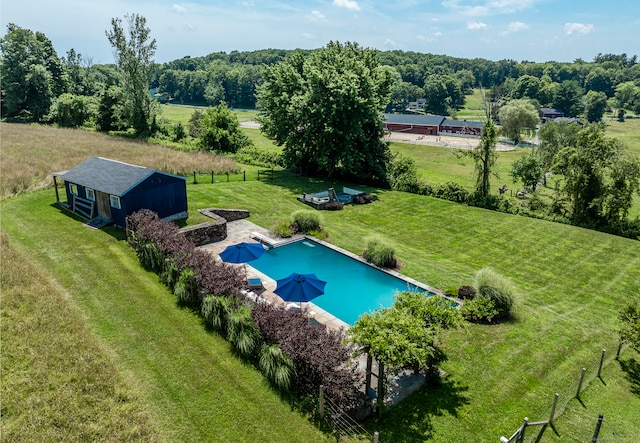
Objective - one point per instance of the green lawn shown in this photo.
(182, 113)
(572, 282)
(188, 380)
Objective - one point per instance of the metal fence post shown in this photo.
(596, 432)
(584, 370)
(604, 351)
(524, 426)
(553, 408)
(195, 180)
(212, 177)
(619, 349)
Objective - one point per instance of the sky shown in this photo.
(531, 30)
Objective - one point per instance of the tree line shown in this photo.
(38, 85)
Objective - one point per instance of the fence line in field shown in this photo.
(572, 389)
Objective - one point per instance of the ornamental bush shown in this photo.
(379, 252)
(497, 288)
(306, 221)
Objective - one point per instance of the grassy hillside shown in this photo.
(30, 153)
(572, 282)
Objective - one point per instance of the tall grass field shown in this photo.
(164, 377)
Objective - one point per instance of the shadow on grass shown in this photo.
(299, 184)
(411, 419)
(631, 368)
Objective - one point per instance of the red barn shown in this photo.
(414, 124)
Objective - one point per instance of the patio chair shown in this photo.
(256, 284)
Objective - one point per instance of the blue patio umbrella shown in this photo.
(242, 253)
(299, 287)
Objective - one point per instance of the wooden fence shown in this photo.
(211, 177)
(571, 391)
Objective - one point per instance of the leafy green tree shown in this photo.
(568, 98)
(527, 86)
(595, 105)
(484, 157)
(626, 95)
(219, 130)
(527, 170)
(553, 137)
(599, 177)
(599, 80)
(516, 116)
(72, 111)
(111, 113)
(407, 334)
(326, 109)
(443, 93)
(629, 317)
(134, 53)
(402, 93)
(30, 73)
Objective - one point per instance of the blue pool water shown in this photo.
(353, 288)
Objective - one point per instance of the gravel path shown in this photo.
(447, 141)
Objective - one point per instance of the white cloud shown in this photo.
(179, 9)
(347, 4)
(316, 15)
(308, 35)
(188, 27)
(515, 27)
(487, 7)
(389, 42)
(578, 28)
(430, 39)
(476, 25)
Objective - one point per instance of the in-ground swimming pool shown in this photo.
(353, 287)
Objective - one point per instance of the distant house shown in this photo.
(550, 114)
(414, 124)
(112, 190)
(461, 127)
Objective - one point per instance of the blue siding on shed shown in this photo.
(137, 187)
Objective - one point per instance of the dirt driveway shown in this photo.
(447, 141)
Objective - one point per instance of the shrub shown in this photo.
(451, 191)
(379, 252)
(306, 221)
(334, 206)
(241, 330)
(362, 199)
(466, 292)
(283, 229)
(479, 310)
(252, 155)
(186, 289)
(276, 365)
(451, 291)
(318, 354)
(215, 310)
(497, 288)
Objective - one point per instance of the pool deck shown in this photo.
(243, 231)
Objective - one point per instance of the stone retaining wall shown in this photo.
(215, 230)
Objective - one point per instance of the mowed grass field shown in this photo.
(184, 384)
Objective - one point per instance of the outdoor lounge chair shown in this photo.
(256, 284)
